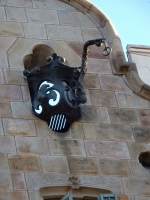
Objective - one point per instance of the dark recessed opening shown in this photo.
(144, 159)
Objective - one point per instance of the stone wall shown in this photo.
(101, 149)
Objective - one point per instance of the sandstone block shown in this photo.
(19, 127)
(56, 165)
(1, 128)
(67, 147)
(64, 32)
(6, 43)
(142, 134)
(141, 198)
(105, 115)
(90, 114)
(35, 145)
(46, 4)
(124, 116)
(124, 197)
(25, 93)
(11, 29)
(88, 97)
(111, 167)
(23, 3)
(14, 77)
(2, 14)
(136, 149)
(25, 163)
(14, 195)
(114, 83)
(134, 186)
(1, 77)
(18, 181)
(5, 180)
(145, 117)
(4, 61)
(7, 144)
(5, 109)
(4, 162)
(77, 131)
(99, 66)
(138, 171)
(16, 14)
(35, 30)
(22, 110)
(83, 165)
(103, 98)
(131, 100)
(34, 195)
(78, 19)
(42, 16)
(91, 33)
(89, 132)
(114, 132)
(107, 149)
(91, 81)
(10, 93)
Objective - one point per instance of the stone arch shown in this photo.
(38, 57)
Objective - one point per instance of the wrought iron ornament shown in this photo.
(56, 89)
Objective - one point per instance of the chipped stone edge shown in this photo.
(117, 59)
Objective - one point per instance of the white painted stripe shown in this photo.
(50, 122)
(56, 121)
(53, 121)
(64, 123)
(59, 122)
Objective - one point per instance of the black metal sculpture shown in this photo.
(56, 91)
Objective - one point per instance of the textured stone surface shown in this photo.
(103, 98)
(114, 132)
(78, 19)
(15, 195)
(124, 116)
(10, 93)
(2, 14)
(107, 149)
(141, 198)
(46, 4)
(6, 42)
(1, 77)
(25, 163)
(67, 147)
(19, 127)
(7, 144)
(4, 61)
(88, 97)
(99, 66)
(14, 77)
(18, 180)
(22, 110)
(113, 83)
(4, 162)
(77, 131)
(91, 81)
(1, 128)
(134, 186)
(25, 93)
(136, 149)
(42, 16)
(5, 109)
(131, 100)
(90, 114)
(91, 33)
(138, 170)
(35, 30)
(89, 132)
(142, 134)
(105, 115)
(64, 33)
(145, 117)
(32, 145)
(5, 180)
(83, 165)
(11, 29)
(16, 14)
(57, 165)
(111, 167)
(22, 3)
